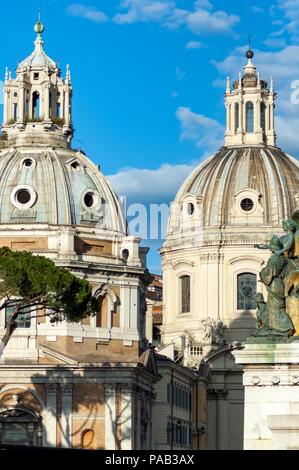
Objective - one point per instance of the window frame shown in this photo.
(238, 277)
(249, 119)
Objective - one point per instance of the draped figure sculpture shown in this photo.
(279, 316)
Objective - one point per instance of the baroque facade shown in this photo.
(91, 384)
(233, 201)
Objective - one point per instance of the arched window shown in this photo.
(236, 117)
(263, 112)
(20, 426)
(246, 291)
(185, 294)
(249, 116)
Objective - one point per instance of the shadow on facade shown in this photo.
(65, 408)
(225, 393)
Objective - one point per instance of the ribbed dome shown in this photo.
(59, 187)
(38, 58)
(228, 181)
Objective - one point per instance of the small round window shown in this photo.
(28, 162)
(247, 204)
(23, 196)
(89, 199)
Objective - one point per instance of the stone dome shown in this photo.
(38, 58)
(237, 187)
(56, 187)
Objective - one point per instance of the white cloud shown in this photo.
(206, 132)
(144, 185)
(193, 45)
(203, 22)
(90, 13)
(200, 21)
(203, 4)
(144, 10)
(275, 43)
(291, 14)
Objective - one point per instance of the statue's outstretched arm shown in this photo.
(262, 247)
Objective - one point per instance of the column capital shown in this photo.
(67, 389)
(51, 388)
(110, 390)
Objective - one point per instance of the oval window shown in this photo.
(89, 199)
(190, 208)
(28, 162)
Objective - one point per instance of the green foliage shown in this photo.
(33, 119)
(37, 281)
(59, 121)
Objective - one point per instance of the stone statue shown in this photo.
(213, 331)
(261, 315)
(280, 315)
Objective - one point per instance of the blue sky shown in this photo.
(149, 77)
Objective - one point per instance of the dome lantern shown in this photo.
(250, 109)
(37, 103)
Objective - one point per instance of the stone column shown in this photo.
(21, 104)
(66, 414)
(221, 420)
(5, 114)
(50, 417)
(127, 417)
(46, 110)
(110, 416)
(67, 107)
(137, 421)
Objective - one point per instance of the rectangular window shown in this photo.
(249, 117)
(246, 291)
(185, 293)
(24, 318)
(15, 111)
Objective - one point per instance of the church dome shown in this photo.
(38, 58)
(244, 182)
(58, 187)
(249, 186)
